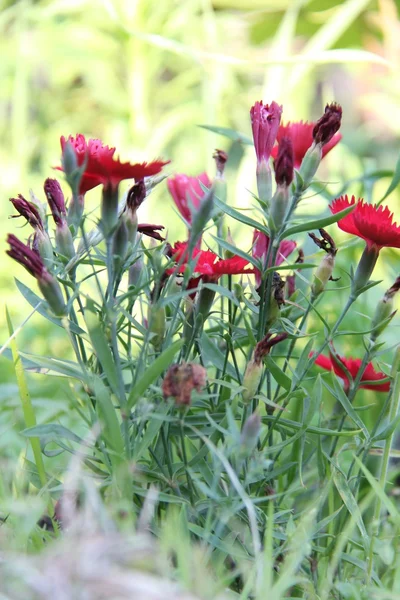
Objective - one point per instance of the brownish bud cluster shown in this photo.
(180, 380)
(220, 158)
(264, 347)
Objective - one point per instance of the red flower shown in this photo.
(184, 189)
(301, 135)
(102, 167)
(260, 249)
(265, 121)
(208, 263)
(372, 223)
(336, 363)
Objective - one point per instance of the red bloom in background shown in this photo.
(335, 363)
(260, 249)
(372, 223)
(102, 167)
(208, 263)
(184, 189)
(301, 135)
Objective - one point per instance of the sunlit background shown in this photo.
(143, 75)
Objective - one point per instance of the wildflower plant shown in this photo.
(194, 362)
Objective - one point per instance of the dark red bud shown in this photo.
(284, 162)
(328, 124)
(28, 210)
(136, 195)
(55, 198)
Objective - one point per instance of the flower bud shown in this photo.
(322, 275)
(310, 163)
(250, 434)
(64, 241)
(328, 124)
(135, 197)
(252, 376)
(251, 380)
(364, 269)
(135, 271)
(324, 272)
(42, 245)
(51, 290)
(157, 325)
(120, 244)
(283, 177)
(109, 209)
(75, 211)
(181, 380)
(279, 204)
(384, 311)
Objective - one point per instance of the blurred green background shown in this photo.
(142, 75)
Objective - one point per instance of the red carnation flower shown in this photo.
(372, 223)
(260, 249)
(184, 189)
(338, 363)
(301, 135)
(101, 166)
(208, 263)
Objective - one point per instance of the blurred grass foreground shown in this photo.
(144, 76)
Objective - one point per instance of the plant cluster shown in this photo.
(194, 362)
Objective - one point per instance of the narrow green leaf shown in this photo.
(236, 136)
(239, 216)
(393, 184)
(100, 346)
(160, 365)
(380, 492)
(350, 502)
(344, 401)
(41, 307)
(213, 355)
(277, 373)
(317, 223)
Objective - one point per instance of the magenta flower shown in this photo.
(260, 249)
(187, 190)
(265, 120)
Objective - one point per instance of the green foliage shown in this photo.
(290, 494)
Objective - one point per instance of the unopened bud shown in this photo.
(279, 205)
(136, 196)
(250, 434)
(64, 241)
(181, 380)
(329, 124)
(135, 271)
(42, 245)
(157, 325)
(310, 163)
(109, 209)
(384, 311)
(120, 244)
(284, 162)
(364, 269)
(324, 272)
(51, 290)
(251, 380)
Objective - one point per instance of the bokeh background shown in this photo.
(142, 75)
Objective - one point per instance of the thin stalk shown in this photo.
(393, 411)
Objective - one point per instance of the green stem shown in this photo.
(393, 411)
(27, 408)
